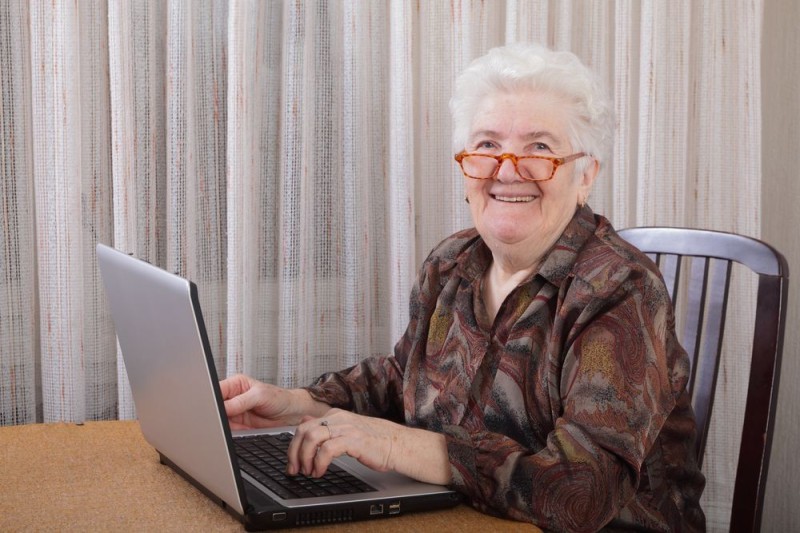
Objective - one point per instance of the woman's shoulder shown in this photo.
(450, 257)
(449, 251)
(607, 261)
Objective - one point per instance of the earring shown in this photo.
(466, 199)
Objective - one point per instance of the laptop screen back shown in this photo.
(171, 373)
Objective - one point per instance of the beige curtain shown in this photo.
(294, 159)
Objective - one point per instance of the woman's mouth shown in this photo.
(513, 199)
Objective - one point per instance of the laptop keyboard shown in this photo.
(264, 458)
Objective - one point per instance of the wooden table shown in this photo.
(103, 476)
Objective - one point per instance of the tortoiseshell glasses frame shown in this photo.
(530, 174)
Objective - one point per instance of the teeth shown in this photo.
(515, 198)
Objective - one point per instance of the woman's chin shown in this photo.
(506, 223)
(505, 234)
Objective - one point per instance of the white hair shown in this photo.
(525, 67)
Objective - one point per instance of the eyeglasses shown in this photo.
(529, 167)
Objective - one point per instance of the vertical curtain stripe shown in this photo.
(19, 346)
(56, 116)
(400, 160)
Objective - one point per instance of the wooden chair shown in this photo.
(706, 289)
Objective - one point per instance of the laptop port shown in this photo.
(277, 517)
(394, 508)
(376, 509)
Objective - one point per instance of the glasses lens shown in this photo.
(479, 166)
(534, 169)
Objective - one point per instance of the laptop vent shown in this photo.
(324, 517)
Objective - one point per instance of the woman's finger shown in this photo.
(232, 386)
(298, 448)
(318, 433)
(326, 453)
(242, 403)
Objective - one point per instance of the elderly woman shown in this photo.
(540, 374)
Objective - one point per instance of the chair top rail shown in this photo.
(753, 253)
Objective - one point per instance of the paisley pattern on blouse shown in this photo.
(570, 409)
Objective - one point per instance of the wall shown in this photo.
(780, 66)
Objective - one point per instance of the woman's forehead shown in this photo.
(524, 115)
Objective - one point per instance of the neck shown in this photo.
(511, 265)
(519, 260)
(505, 270)
(500, 279)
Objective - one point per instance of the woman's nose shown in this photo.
(507, 171)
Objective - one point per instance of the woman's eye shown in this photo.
(540, 147)
(485, 145)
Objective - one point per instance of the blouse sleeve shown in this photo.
(610, 393)
(372, 387)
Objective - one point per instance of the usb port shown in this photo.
(277, 517)
(394, 508)
(376, 509)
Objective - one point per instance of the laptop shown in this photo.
(179, 405)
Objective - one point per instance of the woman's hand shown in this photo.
(377, 443)
(252, 404)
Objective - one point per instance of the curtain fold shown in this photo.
(136, 32)
(20, 371)
(56, 119)
(294, 159)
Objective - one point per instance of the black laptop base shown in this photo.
(344, 512)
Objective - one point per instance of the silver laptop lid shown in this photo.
(163, 351)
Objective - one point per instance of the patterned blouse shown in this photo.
(570, 409)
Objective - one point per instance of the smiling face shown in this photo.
(512, 215)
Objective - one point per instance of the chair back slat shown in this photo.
(695, 312)
(707, 369)
(670, 267)
(711, 254)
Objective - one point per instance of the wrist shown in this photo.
(421, 454)
(303, 404)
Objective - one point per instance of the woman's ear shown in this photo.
(587, 179)
(590, 173)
